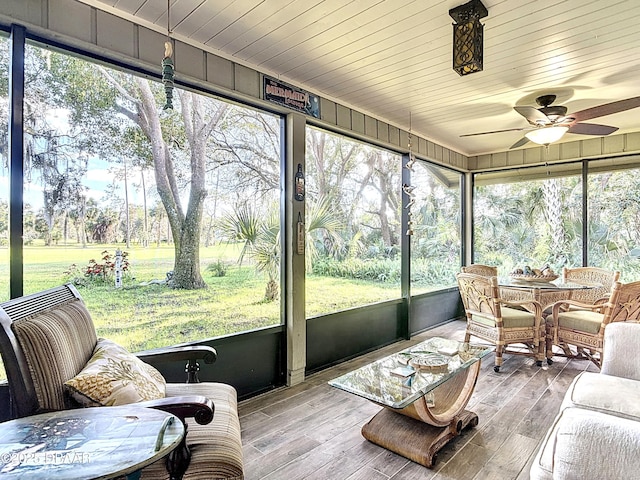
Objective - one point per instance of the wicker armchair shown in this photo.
(582, 325)
(479, 269)
(47, 339)
(501, 322)
(598, 278)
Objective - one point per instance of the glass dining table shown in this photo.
(545, 293)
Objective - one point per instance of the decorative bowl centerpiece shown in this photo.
(430, 362)
(528, 274)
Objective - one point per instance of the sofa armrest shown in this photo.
(175, 354)
(588, 444)
(620, 350)
(189, 406)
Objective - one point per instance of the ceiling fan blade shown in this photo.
(533, 115)
(591, 129)
(494, 131)
(519, 143)
(606, 109)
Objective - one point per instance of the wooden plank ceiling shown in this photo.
(392, 59)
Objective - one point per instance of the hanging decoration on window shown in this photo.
(168, 66)
(407, 188)
(299, 184)
(300, 235)
(167, 75)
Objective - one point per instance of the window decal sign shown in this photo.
(291, 97)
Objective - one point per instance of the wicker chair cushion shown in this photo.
(511, 318)
(581, 320)
(216, 448)
(57, 344)
(113, 376)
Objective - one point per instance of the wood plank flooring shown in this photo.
(312, 431)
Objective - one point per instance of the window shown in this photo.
(104, 210)
(436, 242)
(532, 216)
(614, 216)
(353, 223)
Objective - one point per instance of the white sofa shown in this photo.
(596, 434)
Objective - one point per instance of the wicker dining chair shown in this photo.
(500, 322)
(582, 327)
(598, 279)
(480, 269)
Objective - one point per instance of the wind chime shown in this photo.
(408, 188)
(168, 66)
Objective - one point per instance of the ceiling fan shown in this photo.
(550, 122)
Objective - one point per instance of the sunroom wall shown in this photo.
(75, 24)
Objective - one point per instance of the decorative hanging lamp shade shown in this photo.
(546, 135)
(468, 37)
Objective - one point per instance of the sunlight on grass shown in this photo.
(143, 315)
(327, 294)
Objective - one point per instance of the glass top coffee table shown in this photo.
(424, 389)
(87, 443)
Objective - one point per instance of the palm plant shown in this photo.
(261, 236)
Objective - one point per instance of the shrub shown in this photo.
(95, 272)
(377, 270)
(217, 269)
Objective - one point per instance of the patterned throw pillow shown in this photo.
(113, 376)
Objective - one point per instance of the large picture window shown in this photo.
(150, 212)
(529, 217)
(353, 223)
(436, 243)
(614, 217)
(4, 158)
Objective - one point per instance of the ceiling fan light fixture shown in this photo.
(546, 135)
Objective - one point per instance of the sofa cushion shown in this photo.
(113, 376)
(216, 448)
(56, 343)
(583, 443)
(605, 393)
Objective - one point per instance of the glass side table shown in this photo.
(87, 443)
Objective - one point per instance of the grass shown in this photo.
(144, 315)
(328, 294)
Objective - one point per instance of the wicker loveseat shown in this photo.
(48, 340)
(596, 434)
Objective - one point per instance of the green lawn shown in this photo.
(143, 315)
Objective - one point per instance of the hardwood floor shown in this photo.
(312, 430)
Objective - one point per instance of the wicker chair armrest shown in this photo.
(189, 406)
(536, 307)
(600, 304)
(175, 354)
(563, 305)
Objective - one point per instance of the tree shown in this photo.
(106, 104)
(259, 230)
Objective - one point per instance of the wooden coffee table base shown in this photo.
(414, 439)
